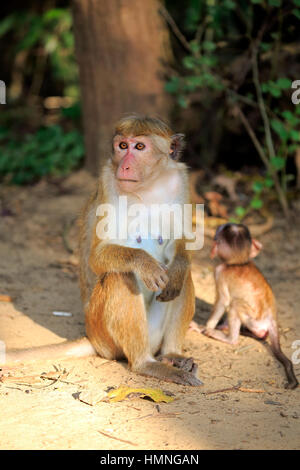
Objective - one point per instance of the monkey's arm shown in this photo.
(222, 300)
(116, 258)
(176, 273)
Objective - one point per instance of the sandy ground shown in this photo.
(40, 275)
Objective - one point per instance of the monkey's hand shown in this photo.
(173, 288)
(153, 274)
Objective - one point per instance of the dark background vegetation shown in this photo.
(225, 69)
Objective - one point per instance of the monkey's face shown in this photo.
(136, 161)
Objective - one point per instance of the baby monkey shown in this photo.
(243, 291)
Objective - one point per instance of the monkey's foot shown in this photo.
(223, 326)
(170, 374)
(181, 362)
(196, 327)
(219, 335)
(291, 385)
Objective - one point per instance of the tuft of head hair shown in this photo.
(164, 140)
(135, 125)
(234, 241)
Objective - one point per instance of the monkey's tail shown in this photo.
(77, 348)
(281, 357)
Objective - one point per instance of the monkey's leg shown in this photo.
(276, 349)
(116, 323)
(179, 313)
(234, 325)
(216, 315)
(260, 330)
(246, 332)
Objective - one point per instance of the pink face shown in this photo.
(134, 159)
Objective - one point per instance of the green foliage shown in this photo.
(44, 40)
(50, 151)
(220, 38)
(259, 188)
(45, 36)
(275, 88)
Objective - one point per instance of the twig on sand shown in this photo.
(236, 388)
(117, 438)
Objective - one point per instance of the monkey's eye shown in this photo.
(123, 145)
(140, 146)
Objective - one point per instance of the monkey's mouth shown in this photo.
(123, 180)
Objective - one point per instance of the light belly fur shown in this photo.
(157, 312)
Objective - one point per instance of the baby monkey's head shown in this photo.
(233, 244)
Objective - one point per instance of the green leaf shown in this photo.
(257, 186)
(280, 129)
(54, 14)
(256, 203)
(290, 117)
(189, 62)
(297, 3)
(229, 4)
(274, 3)
(6, 24)
(265, 46)
(172, 86)
(209, 60)
(292, 148)
(192, 82)
(265, 87)
(240, 211)
(295, 135)
(278, 163)
(208, 46)
(32, 36)
(296, 13)
(284, 83)
(183, 101)
(276, 92)
(195, 46)
(268, 182)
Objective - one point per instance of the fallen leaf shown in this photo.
(123, 392)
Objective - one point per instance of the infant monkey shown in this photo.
(243, 291)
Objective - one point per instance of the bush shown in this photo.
(49, 151)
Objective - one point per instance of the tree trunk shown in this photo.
(121, 47)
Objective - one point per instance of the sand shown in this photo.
(40, 275)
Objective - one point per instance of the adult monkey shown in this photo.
(137, 293)
(125, 314)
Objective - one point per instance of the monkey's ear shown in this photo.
(177, 146)
(256, 246)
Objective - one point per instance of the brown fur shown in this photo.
(125, 316)
(243, 291)
(115, 309)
